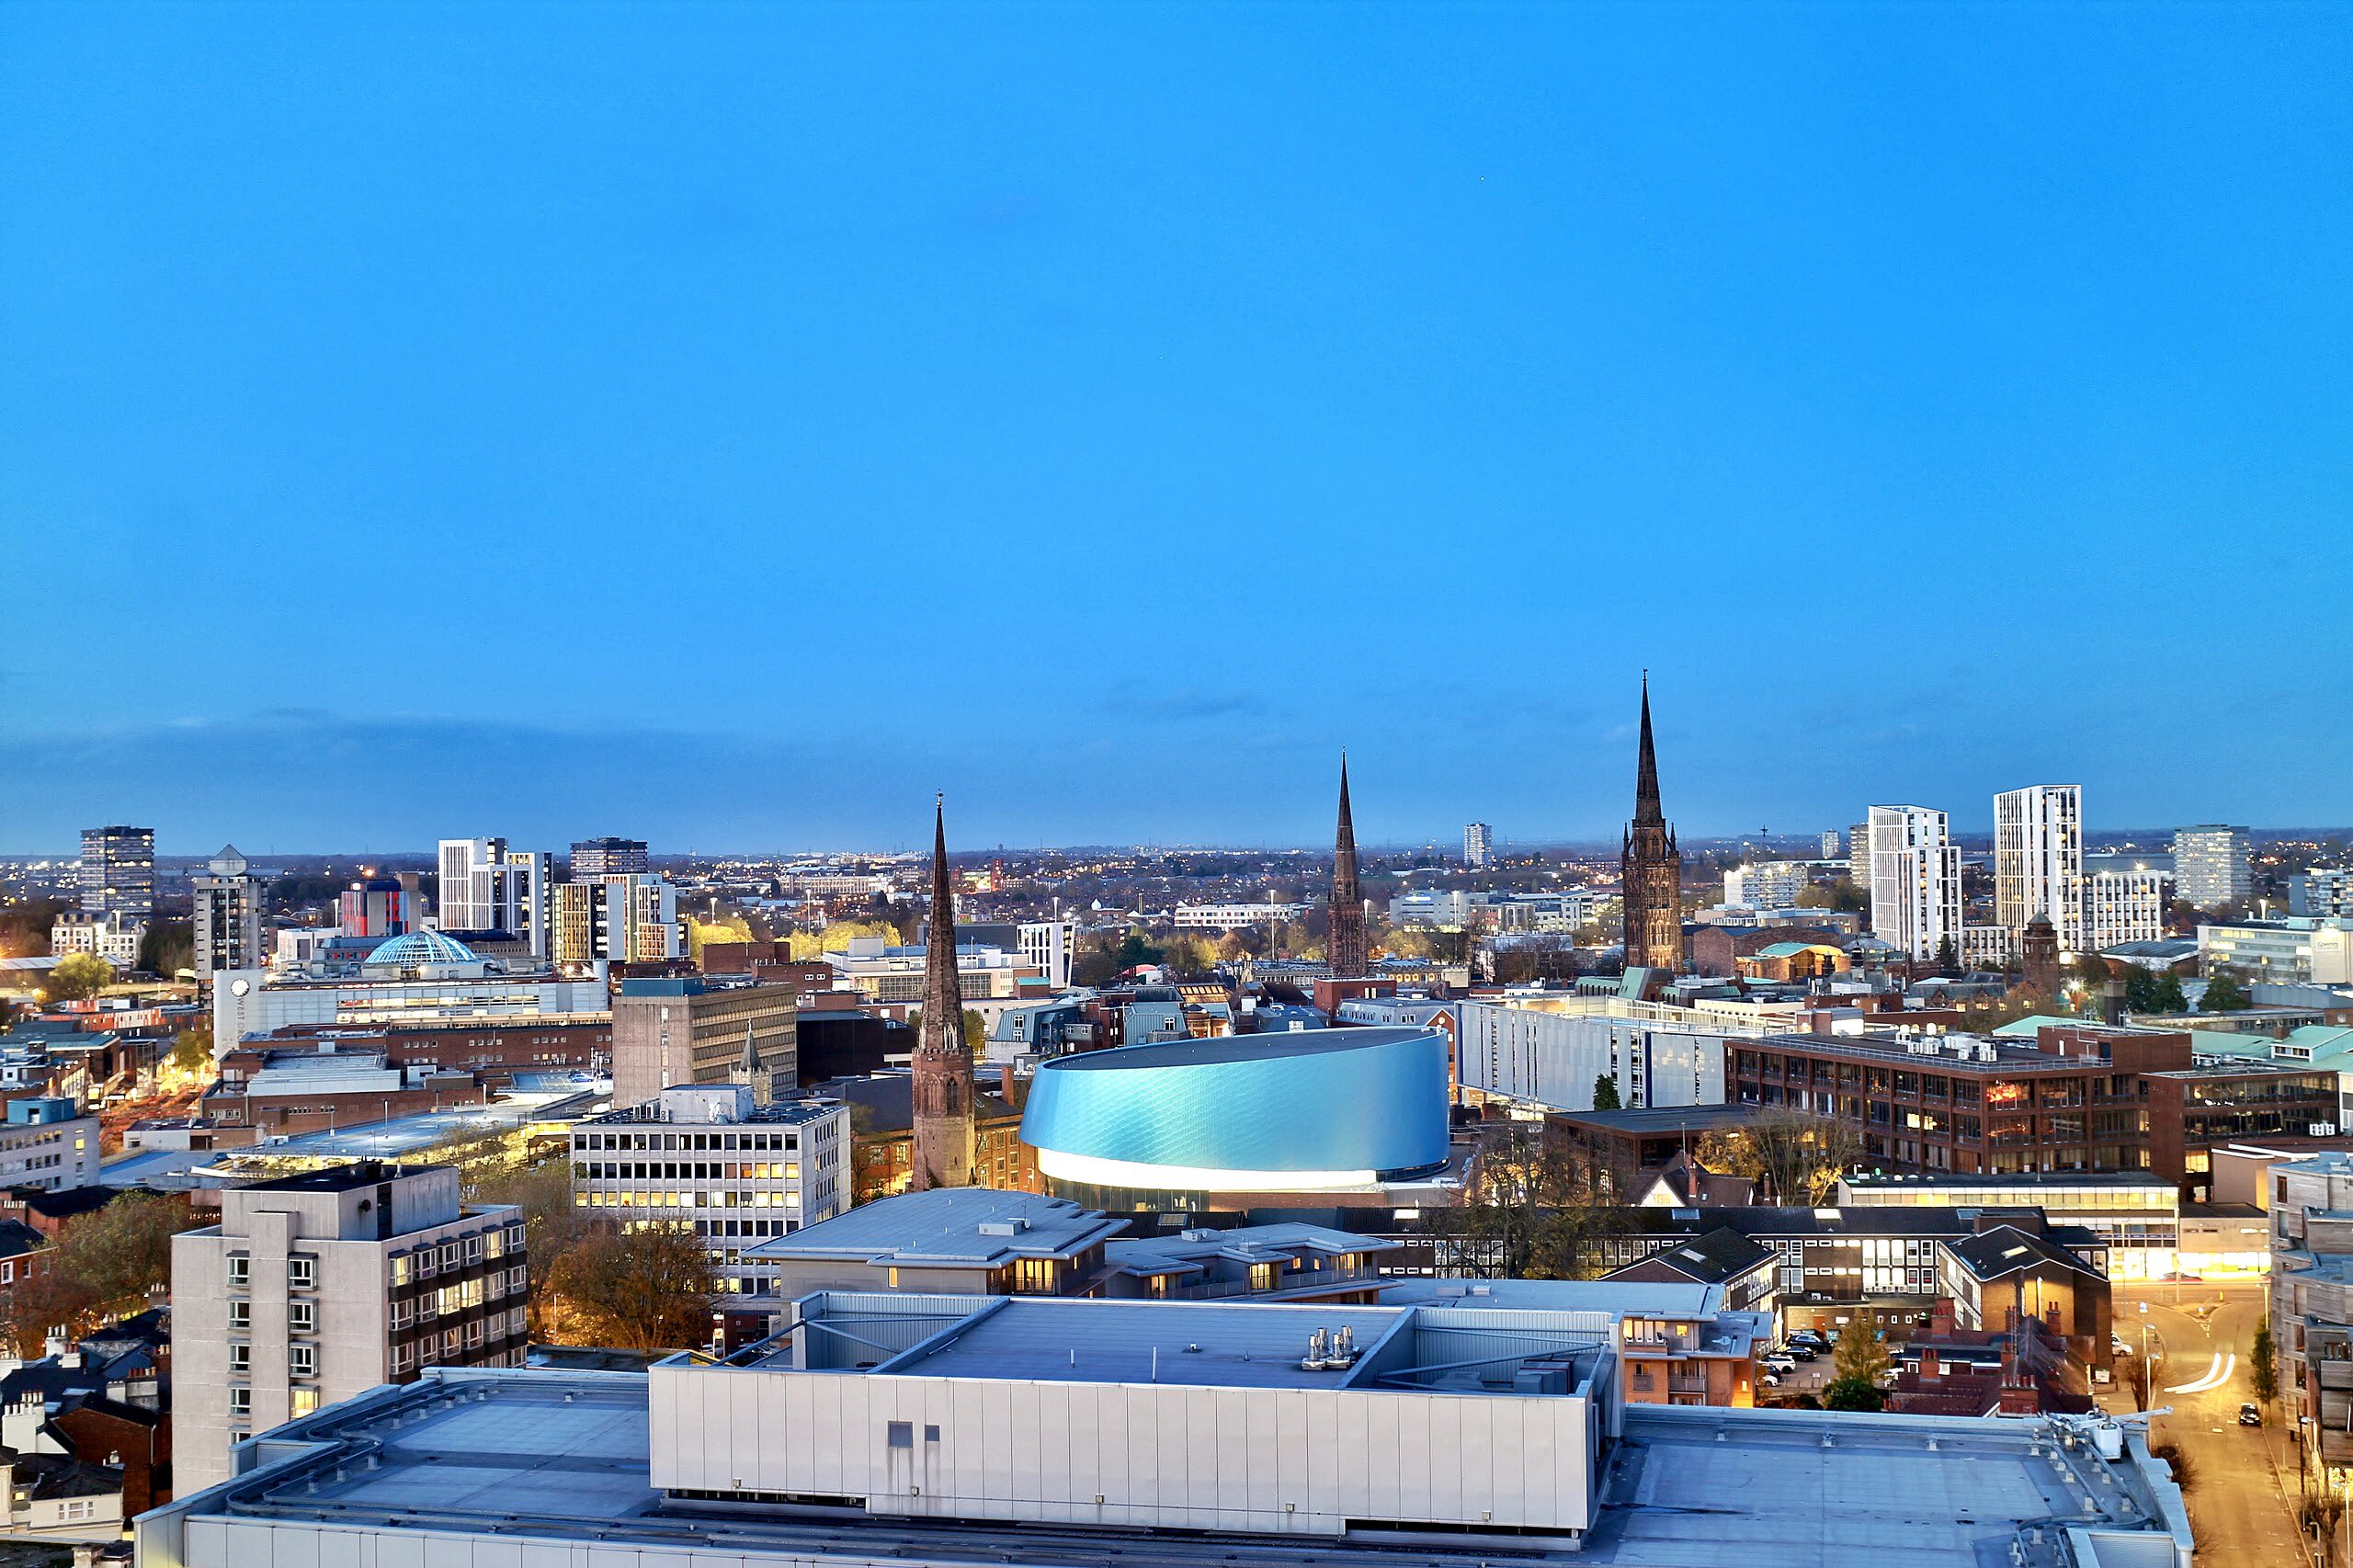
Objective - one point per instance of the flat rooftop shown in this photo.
(563, 1457)
(1251, 1345)
(1800, 1490)
(970, 1227)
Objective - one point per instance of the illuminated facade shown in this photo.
(1313, 1111)
(1915, 881)
(2039, 859)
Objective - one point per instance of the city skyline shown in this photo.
(538, 432)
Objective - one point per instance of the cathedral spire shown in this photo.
(1345, 944)
(1651, 867)
(1647, 810)
(943, 1063)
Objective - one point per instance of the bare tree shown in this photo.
(1531, 1209)
(1794, 1155)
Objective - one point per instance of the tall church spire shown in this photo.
(1647, 810)
(1650, 867)
(943, 1062)
(1345, 945)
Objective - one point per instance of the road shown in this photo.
(2243, 1487)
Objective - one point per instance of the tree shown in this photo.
(78, 975)
(976, 1029)
(192, 1052)
(2224, 994)
(104, 1262)
(1532, 1206)
(2263, 1364)
(1605, 1092)
(1948, 956)
(2093, 972)
(837, 937)
(166, 948)
(2168, 997)
(648, 1289)
(701, 935)
(1857, 1362)
(1846, 1394)
(1796, 1157)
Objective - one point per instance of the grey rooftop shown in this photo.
(963, 1227)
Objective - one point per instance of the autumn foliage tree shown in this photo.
(648, 1289)
(79, 976)
(104, 1264)
(1533, 1206)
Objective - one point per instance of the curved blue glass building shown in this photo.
(1317, 1110)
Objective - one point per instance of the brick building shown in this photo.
(2077, 1099)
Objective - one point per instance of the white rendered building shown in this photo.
(1915, 881)
(2039, 859)
(318, 1286)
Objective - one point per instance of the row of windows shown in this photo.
(721, 1199)
(687, 1170)
(686, 1142)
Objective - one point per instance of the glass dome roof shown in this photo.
(419, 948)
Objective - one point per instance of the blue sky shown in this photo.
(727, 426)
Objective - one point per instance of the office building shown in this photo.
(118, 874)
(2212, 866)
(2076, 1098)
(1772, 884)
(2039, 859)
(594, 857)
(1915, 881)
(1050, 947)
(719, 1161)
(1345, 941)
(227, 915)
(485, 886)
(1179, 1121)
(1551, 1059)
(623, 918)
(381, 906)
(2322, 894)
(1478, 843)
(319, 1286)
(675, 1032)
(2134, 1216)
(50, 1145)
(1651, 867)
(2295, 951)
(2123, 906)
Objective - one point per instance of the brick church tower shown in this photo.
(943, 1062)
(1652, 868)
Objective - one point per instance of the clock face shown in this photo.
(239, 987)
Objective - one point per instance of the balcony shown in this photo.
(2334, 1374)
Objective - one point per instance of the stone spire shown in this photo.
(751, 1073)
(1650, 867)
(943, 1063)
(1647, 811)
(1345, 944)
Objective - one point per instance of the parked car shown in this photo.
(1779, 1363)
(1768, 1379)
(2250, 1416)
(2117, 1346)
(1805, 1352)
(1806, 1336)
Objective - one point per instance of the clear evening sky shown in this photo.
(726, 425)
